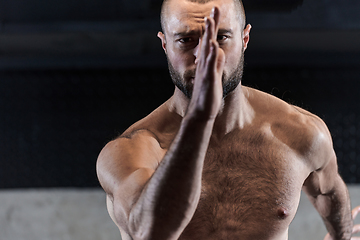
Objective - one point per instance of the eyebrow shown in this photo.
(186, 33)
(225, 31)
(195, 32)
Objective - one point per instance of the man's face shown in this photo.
(184, 28)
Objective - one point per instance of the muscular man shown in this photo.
(219, 161)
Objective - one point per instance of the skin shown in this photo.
(211, 167)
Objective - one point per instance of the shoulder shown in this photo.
(162, 124)
(139, 149)
(125, 155)
(319, 151)
(141, 136)
(302, 131)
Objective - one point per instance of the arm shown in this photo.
(326, 190)
(152, 200)
(356, 228)
(157, 201)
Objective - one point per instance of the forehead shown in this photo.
(183, 15)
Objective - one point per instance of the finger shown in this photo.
(212, 57)
(211, 30)
(328, 237)
(356, 229)
(355, 212)
(215, 14)
(206, 40)
(220, 60)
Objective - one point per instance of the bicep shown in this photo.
(124, 157)
(321, 161)
(124, 167)
(110, 207)
(323, 180)
(124, 196)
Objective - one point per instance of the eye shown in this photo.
(186, 43)
(186, 40)
(222, 38)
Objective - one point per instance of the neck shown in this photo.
(235, 113)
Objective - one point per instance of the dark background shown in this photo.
(76, 73)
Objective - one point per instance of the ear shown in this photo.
(246, 36)
(163, 40)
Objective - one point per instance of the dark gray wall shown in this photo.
(75, 74)
(65, 34)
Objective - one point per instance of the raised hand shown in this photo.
(356, 228)
(207, 93)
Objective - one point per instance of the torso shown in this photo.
(250, 189)
(252, 178)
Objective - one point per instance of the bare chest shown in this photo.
(248, 186)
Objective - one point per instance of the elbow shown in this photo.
(146, 228)
(130, 223)
(139, 227)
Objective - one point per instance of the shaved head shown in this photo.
(183, 31)
(239, 8)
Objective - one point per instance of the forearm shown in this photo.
(170, 198)
(335, 210)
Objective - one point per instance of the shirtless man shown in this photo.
(219, 161)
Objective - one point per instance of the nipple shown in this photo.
(282, 213)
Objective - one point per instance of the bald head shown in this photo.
(239, 8)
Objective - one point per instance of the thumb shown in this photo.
(220, 61)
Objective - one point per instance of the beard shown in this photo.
(229, 82)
